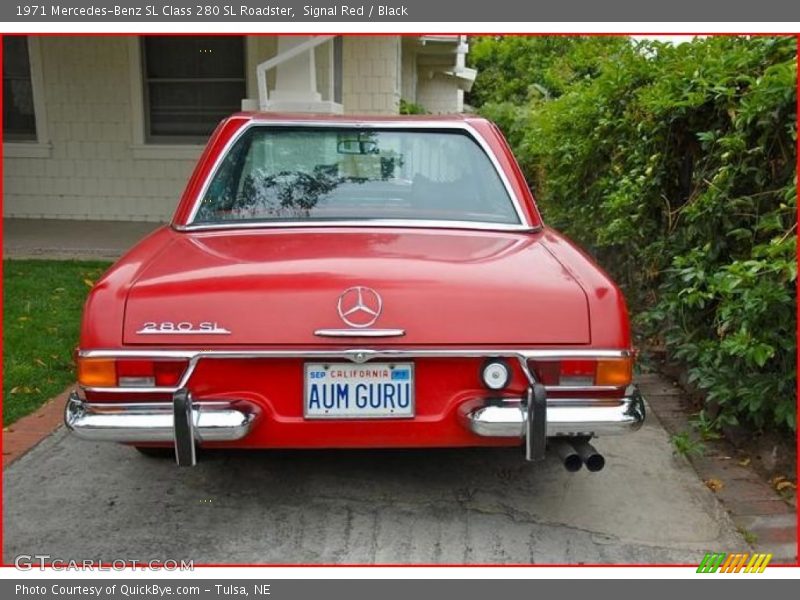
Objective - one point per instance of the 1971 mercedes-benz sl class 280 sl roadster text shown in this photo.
(332, 282)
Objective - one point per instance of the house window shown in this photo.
(190, 84)
(19, 116)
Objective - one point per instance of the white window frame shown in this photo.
(140, 147)
(41, 147)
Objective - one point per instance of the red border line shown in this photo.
(423, 565)
(797, 323)
(403, 34)
(2, 280)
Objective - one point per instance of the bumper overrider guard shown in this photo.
(185, 423)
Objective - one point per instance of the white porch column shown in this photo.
(295, 79)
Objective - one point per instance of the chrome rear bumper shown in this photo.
(185, 423)
(563, 417)
(146, 422)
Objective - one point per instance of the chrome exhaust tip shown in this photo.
(589, 455)
(569, 456)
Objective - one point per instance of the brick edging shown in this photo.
(755, 507)
(28, 431)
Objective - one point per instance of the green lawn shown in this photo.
(42, 303)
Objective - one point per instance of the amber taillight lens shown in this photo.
(124, 372)
(97, 372)
(615, 372)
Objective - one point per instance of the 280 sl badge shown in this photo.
(182, 328)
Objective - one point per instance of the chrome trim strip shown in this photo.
(134, 407)
(371, 352)
(360, 332)
(523, 225)
(125, 353)
(583, 388)
(132, 390)
(356, 355)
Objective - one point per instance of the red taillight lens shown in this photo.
(547, 371)
(135, 373)
(584, 372)
(168, 373)
(124, 372)
(577, 372)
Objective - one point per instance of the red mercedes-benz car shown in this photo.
(341, 282)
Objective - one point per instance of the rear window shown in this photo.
(352, 174)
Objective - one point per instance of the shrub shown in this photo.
(409, 108)
(676, 167)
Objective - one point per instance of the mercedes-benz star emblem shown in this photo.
(360, 306)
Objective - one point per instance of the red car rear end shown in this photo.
(345, 283)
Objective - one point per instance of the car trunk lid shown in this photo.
(280, 287)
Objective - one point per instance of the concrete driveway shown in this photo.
(79, 500)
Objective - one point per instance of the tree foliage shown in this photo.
(676, 167)
(520, 68)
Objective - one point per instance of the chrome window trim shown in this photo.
(523, 225)
(408, 223)
(356, 355)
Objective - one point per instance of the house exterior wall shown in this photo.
(371, 78)
(408, 80)
(95, 163)
(439, 94)
(91, 172)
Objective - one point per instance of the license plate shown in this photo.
(368, 391)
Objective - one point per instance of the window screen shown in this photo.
(19, 119)
(191, 84)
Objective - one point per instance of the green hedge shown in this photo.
(676, 167)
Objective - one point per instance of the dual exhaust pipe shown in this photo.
(576, 453)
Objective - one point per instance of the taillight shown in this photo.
(577, 372)
(125, 372)
(615, 372)
(97, 372)
(136, 373)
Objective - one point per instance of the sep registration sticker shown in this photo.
(350, 391)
